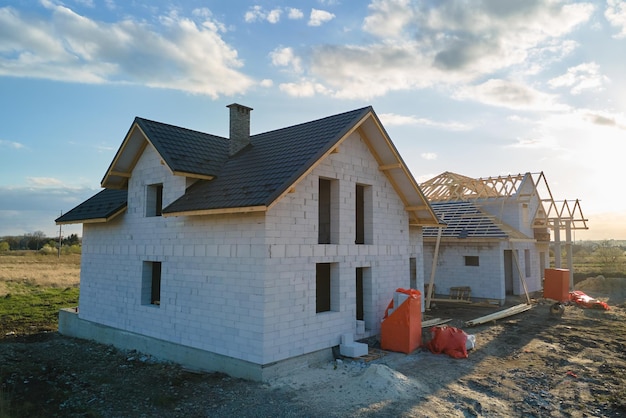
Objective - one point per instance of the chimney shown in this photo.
(239, 127)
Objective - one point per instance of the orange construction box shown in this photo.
(401, 330)
(556, 284)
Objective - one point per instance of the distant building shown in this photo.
(498, 233)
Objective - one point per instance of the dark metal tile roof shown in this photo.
(185, 150)
(103, 205)
(268, 166)
(464, 220)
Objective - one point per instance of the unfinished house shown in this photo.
(497, 238)
(250, 254)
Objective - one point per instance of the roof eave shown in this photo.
(217, 211)
(94, 220)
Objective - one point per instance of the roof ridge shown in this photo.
(139, 118)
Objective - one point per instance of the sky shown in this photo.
(479, 88)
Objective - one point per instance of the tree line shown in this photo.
(36, 241)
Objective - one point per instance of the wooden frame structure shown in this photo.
(551, 215)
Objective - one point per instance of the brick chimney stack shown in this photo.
(239, 127)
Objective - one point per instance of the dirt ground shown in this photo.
(532, 365)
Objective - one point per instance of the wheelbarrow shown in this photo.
(558, 308)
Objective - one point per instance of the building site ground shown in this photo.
(530, 364)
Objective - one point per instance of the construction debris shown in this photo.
(581, 299)
(434, 322)
(514, 310)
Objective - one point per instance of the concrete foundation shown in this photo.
(189, 357)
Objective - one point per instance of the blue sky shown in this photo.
(480, 88)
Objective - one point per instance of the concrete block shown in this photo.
(347, 338)
(353, 349)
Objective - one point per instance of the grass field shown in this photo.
(33, 287)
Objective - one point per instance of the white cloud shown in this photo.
(582, 77)
(603, 119)
(266, 83)
(388, 18)
(274, 15)
(303, 88)
(294, 14)
(446, 43)
(44, 181)
(429, 155)
(535, 143)
(392, 119)
(11, 144)
(319, 17)
(615, 13)
(285, 57)
(510, 94)
(257, 13)
(178, 53)
(254, 13)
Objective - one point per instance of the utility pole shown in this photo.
(60, 239)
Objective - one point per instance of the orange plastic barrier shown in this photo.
(401, 330)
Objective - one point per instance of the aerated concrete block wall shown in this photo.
(486, 279)
(243, 285)
(212, 285)
(292, 325)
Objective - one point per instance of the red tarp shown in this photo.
(448, 340)
(585, 301)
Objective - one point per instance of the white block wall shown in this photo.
(488, 279)
(243, 285)
(485, 280)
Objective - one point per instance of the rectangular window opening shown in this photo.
(154, 200)
(324, 212)
(527, 263)
(151, 283)
(363, 214)
(326, 288)
(328, 212)
(359, 294)
(471, 260)
(322, 287)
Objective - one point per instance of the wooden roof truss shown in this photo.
(550, 213)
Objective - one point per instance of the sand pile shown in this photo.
(389, 383)
(611, 290)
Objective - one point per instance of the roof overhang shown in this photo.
(219, 211)
(94, 220)
(125, 159)
(390, 163)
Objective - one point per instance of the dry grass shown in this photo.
(38, 270)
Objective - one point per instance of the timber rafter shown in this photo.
(550, 213)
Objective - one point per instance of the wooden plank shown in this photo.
(514, 310)
(521, 275)
(434, 322)
(429, 296)
(461, 301)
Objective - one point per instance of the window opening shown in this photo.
(322, 287)
(151, 286)
(359, 294)
(154, 200)
(471, 260)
